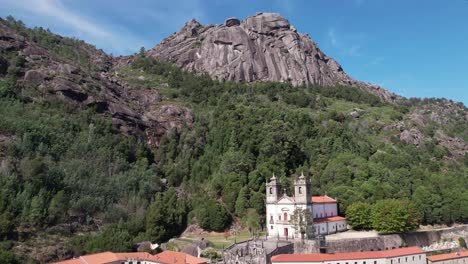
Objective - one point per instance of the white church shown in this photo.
(280, 209)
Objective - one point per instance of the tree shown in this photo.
(359, 216)
(302, 220)
(462, 242)
(142, 52)
(166, 216)
(251, 221)
(241, 202)
(212, 216)
(395, 216)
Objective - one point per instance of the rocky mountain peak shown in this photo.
(263, 47)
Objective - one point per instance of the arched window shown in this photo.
(271, 190)
(300, 190)
(285, 216)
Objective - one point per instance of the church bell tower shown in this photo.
(302, 190)
(272, 190)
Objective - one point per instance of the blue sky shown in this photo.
(416, 48)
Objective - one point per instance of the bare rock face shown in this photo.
(264, 47)
(134, 110)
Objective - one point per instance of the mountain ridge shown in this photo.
(264, 47)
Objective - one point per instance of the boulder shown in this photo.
(34, 77)
(232, 22)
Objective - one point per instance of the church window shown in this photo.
(285, 216)
(271, 218)
(375, 261)
(398, 260)
(300, 190)
(413, 258)
(271, 227)
(271, 190)
(279, 217)
(406, 259)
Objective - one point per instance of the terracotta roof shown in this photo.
(455, 255)
(347, 256)
(70, 261)
(328, 219)
(173, 257)
(322, 199)
(167, 257)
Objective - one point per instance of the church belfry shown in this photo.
(272, 190)
(302, 190)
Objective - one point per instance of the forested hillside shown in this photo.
(71, 182)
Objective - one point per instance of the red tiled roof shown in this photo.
(168, 257)
(173, 257)
(322, 199)
(455, 255)
(347, 256)
(70, 261)
(328, 219)
(104, 257)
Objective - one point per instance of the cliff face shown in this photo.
(264, 47)
(134, 110)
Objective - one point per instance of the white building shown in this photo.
(280, 209)
(449, 258)
(410, 255)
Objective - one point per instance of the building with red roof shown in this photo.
(450, 258)
(280, 210)
(410, 255)
(165, 257)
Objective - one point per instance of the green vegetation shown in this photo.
(65, 171)
(462, 242)
(385, 216)
(358, 215)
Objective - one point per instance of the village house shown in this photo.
(410, 255)
(280, 209)
(165, 257)
(450, 258)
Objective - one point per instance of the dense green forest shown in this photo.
(66, 169)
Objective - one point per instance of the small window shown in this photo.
(279, 217)
(413, 258)
(285, 216)
(271, 217)
(419, 257)
(271, 227)
(364, 262)
(399, 260)
(138, 262)
(391, 261)
(406, 259)
(300, 190)
(271, 190)
(375, 261)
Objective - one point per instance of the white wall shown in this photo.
(418, 259)
(321, 210)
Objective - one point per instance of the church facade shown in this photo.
(281, 220)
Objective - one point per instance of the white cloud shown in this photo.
(56, 13)
(331, 35)
(349, 45)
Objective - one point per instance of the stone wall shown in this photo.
(365, 244)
